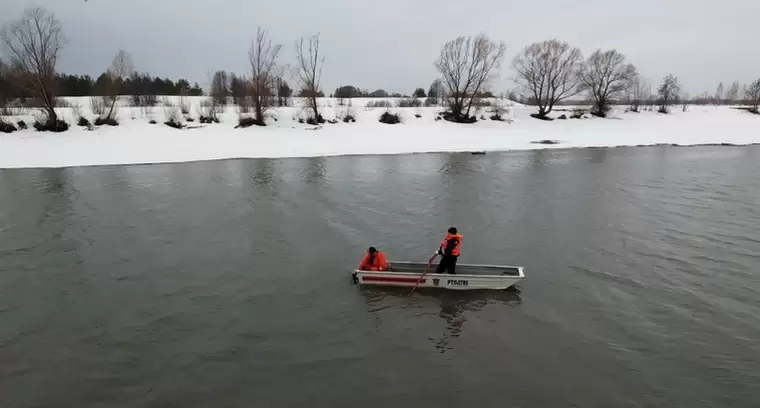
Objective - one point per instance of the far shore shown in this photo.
(136, 141)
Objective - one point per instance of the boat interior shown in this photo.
(461, 269)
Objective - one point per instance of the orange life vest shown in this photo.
(377, 263)
(458, 237)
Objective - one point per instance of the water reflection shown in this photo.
(453, 306)
(261, 172)
(598, 155)
(314, 171)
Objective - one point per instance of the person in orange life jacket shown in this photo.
(374, 260)
(449, 251)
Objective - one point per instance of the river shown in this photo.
(227, 283)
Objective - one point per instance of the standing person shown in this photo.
(449, 251)
(374, 260)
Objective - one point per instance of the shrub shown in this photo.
(184, 105)
(332, 121)
(189, 119)
(417, 115)
(106, 121)
(578, 113)
(389, 118)
(663, 109)
(540, 117)
(382, 103)
(148, 100)
(6, 127)
(408, 103)
(601, 114)
(497, 117)
(349, 118)
(99, 105)
(21, 125)
(562, 116)
(51, 126)
(84, 122)
(152, 122)
(246, 121)
(459, 118)
(209, 111)
(208, 119)
(313, 122)
(173, 123)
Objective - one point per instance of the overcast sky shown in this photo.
(392, 44)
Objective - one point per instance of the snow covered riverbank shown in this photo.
(137, 141)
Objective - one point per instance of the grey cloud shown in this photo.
(392, 44)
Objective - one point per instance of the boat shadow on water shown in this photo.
(452, 306)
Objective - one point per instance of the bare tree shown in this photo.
(219, 87)
(309, 71)
(549, 72)
(436, 93)
(283, 92)
(732, 94)
(5, 88)
(606, 76)
(668, 92)
(638, 94)
(121, 68)
(753, 95)
(32, 45)
(719, 94)
(466, 65)
(264, 73)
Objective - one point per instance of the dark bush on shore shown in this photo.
(248, 122)
(540, 117)
(390, 118)
(51, 126)
(105, 121)
(448, 116)
(313, 122)
(208, 119)
(21, 125)
(6, 127)
(173, 123)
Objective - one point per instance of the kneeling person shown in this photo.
(374, 260)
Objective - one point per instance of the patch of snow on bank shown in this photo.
(137, 141)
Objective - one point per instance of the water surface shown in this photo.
(226, 283)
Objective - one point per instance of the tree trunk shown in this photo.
(314, 106)
(110, 111)
(52, 116)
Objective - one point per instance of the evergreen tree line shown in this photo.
(85, 85)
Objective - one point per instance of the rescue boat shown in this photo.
(467, 277)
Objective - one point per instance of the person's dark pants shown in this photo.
(448, 264)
